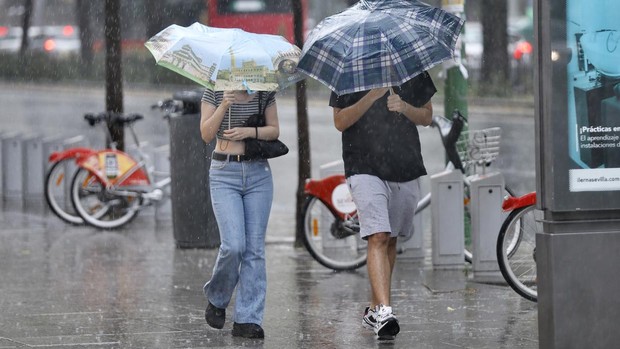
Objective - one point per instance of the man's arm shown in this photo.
(344, 118)
(419, 116)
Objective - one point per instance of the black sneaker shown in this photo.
(215, 316)
(247, 331)
(386, 326)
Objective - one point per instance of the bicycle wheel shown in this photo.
(516, 251)
(333, 242)
(56, 193)
(98, 206)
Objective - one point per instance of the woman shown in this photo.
(241, 193)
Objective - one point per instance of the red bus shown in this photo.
(257, 16)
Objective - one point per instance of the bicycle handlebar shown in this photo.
(112, 117)
(450, 131)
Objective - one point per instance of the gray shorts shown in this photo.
(383, 206)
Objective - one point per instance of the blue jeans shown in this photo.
(241, 193)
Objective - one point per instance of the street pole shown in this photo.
(456, 86)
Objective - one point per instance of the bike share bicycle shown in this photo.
(109, 187)
(330, 218)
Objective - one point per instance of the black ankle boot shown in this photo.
(248, 331)
(215, 316)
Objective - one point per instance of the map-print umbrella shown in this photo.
(227, 59)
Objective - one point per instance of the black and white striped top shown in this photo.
(240, 112)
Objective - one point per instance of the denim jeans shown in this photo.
(241, 193)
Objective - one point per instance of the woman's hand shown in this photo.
(240, 133)
(228, 99)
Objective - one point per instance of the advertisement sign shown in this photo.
(593, 33)
(581, 105)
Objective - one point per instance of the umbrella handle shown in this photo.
(229, 110)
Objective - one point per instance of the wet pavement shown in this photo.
(77, 287)
(63, 286)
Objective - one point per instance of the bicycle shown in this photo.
(136, 176)
(330, 217)
(57, 180)
(516, 245)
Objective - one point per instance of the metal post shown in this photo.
(329, 169)
(456, 86)
(34, 169)
(163, 209)
(12, 180)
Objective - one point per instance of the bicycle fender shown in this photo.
(77, 152)
(323, 188)
(513, 203)
(128, 172)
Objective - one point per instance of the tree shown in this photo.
(495, 72)
(83, 8)
(113, 72)
(28, 9)
(303, 140)
(154, 17)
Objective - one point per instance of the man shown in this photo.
(382, 160)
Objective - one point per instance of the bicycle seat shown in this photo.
(129, 119)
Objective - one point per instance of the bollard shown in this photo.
(325, 170)
(147, 151)
(12, 177)
(50, 145)
(1, 167)
(487, 192)
(70, 167)
(34, 168)
(163, 209)
(447, 227)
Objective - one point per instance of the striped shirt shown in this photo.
(239, 112)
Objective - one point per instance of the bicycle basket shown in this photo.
(479, 147)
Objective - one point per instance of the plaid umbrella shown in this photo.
(227, 59)
(379, 43)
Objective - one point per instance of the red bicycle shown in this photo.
(108, 187)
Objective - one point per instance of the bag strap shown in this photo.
(260, 103)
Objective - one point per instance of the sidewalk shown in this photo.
(76, 287)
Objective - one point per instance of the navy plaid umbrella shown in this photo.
(379, 43)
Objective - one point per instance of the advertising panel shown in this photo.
(581, 98)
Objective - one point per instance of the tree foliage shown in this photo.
(495, 74)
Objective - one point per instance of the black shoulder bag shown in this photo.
(258, 148)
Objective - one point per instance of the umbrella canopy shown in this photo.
(225, 58)
(379, 43)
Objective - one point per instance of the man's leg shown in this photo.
(379, 268)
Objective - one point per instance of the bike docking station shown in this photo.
(447, 222)
(24, 163)
(578, 172)
(487, 194)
